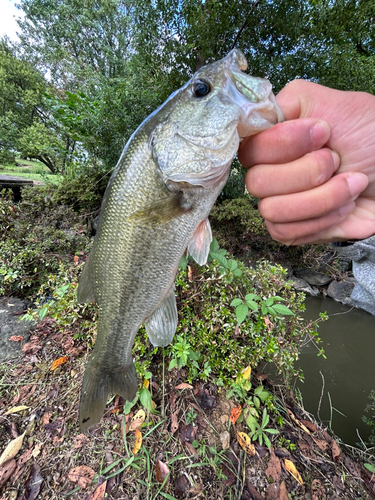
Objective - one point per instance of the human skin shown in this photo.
(315, 172)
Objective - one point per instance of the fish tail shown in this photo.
(98, 383)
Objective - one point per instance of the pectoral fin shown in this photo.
(162, 211)
(199, 245)
(161, 325)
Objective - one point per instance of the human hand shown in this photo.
(315, 172)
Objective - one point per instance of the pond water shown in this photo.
(349, 370)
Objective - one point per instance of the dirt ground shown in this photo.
(191, 452)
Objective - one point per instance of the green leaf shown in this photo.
(241, 312)
(43, 312)
(370, 467)
(214, 245)
(265, 419)
(267, 442)
(183, 262)
(237, 272)
(271, 431)
(172, 364)
(281, 309)
(264, 309)
(236, 302)
(145, 398)
(269, 301)
(256, 402)
(253, 305)
(232, 265)
(219, 258)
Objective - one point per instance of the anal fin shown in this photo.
(161, 325)
(199, 245)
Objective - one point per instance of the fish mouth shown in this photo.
(254, 97)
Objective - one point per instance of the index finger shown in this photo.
(284, 142)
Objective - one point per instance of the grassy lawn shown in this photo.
(26, 169)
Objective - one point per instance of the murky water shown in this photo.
(349, 370)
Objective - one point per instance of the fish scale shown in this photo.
(155, 206)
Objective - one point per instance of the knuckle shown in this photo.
(321, 163)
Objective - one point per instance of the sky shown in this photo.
(8, 25)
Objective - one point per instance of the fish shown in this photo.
(156, 207)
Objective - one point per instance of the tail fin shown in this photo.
(98, 383)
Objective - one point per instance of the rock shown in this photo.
(312, 277)
(11, 309)
(302, 286)
(341, 291)
(225, 439)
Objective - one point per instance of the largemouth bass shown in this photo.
(155, 207)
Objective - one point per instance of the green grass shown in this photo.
(26, 169)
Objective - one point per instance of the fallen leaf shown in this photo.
(80, 440)
(137, 420)
(290, 467)
(146, 383)
(16, 409)
(12, 449)
(225, 439)
(252, 490)
(274, 467)
(283, 492)
(6, 471)
(76, 259)
(297, 422)
(46, 417)
(306, 450)
(82, 475)
(181, 486)
(37, 449)
(273, 491)
(188, 433)
(322, 445)
(352, 467)
(99, 493)
(245, 443)
(174, 411)
(184, 386)
(193, 452)
(318, 492)
(236, 412)
(335, 450)
(31, 348)
(16, 338)
(245, 373)
(138, 441)
(162, 472)
(33, 484)
(20, 464)
(59, 362)
(309, 425)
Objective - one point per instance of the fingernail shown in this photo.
(319, 134)
(336, 159)
(347, 209)
(357, 182)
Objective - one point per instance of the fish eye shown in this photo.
(201, 88)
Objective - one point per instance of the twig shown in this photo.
(321, 396)
(245, 23)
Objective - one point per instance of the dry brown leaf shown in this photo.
(37, 449)
(16, 338)
(33, 484)
(99, 493)
(59, 362)
(137, 420)
(225, 439)
(245, 443)
(318, 492)
(45, 417)
(16, 409)
(80, 440)
(184, 386)
(162, 472)
(82, 475)
(322, 445)
(6, 471)
(236, 412)
(138, 441)
(188, 433)
(297, 422)
(274, 467)
(352, 468)
(283, 492)
(290, 467)
(335, 450)
(12, 449)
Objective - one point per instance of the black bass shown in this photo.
(155, 207)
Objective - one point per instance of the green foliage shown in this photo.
(369, 419)
(209, 335)
(37, 235)
(259, 431)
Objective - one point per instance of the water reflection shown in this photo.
(349, 370)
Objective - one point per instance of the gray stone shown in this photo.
(341, 291)
(10, 325)
(302, 286)
(313, 277)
